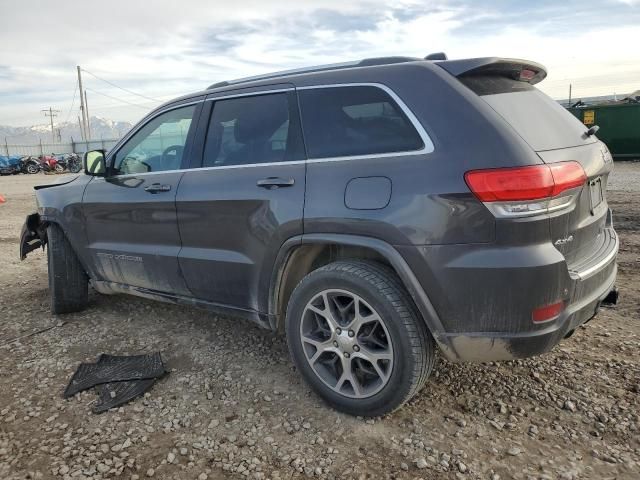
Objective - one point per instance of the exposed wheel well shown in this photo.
(307, 258)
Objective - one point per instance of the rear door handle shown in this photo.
(275, 182)
(157, 187)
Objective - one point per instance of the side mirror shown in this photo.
(94, 163)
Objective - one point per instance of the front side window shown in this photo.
(251, 130)
(158, 146)
(358, 120)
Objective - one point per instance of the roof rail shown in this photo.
(367, 62)
(436, 56)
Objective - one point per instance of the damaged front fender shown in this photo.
(33, 235)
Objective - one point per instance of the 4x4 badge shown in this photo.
(563, 241)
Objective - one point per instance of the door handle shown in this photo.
(275, 182)
(156, 187)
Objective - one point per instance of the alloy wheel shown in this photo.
(346, 343)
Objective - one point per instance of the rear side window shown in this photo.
(541, 121)
(250, 130)
(358, 120)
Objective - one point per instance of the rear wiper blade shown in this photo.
(592, 130)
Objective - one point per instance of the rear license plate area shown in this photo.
(595, 192)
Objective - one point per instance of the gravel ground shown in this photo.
(233, 406)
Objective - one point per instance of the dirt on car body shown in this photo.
(234, 408)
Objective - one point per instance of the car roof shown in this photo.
(365, 69)
(318, 75)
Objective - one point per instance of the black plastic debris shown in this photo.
(119, 379)
(112, 368)
(118, 393)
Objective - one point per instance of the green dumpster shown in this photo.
(619, 126)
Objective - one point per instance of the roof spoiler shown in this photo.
(523, 70)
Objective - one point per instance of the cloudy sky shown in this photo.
(160, 49)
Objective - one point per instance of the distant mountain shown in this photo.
(64, 131)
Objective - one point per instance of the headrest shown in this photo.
(261, 119)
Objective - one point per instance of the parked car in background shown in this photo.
(9, 165)
(372, 212)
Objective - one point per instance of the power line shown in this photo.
(73, 101)
(121, 88)
(119, 99)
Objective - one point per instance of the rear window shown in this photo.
(541, 121)
(358, 120)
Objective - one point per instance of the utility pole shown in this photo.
(86, 106)
(51, 113)
(80, 126)
(569, 94)
(82, 105)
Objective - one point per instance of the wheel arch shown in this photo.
(300, 255)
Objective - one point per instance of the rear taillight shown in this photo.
(567, 175)
(523, 191)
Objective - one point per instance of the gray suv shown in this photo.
(371, 211)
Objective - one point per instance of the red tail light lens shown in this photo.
(567, 175)
(508, 184)
(524, 183)
(548, 312)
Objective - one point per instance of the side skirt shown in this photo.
(112, 288)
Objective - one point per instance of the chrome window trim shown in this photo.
(221, 167)
(428, 146)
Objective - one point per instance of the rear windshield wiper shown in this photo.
(592, 130)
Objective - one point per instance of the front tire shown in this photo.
(356, 337)
(68, 282)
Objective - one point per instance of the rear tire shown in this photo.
(357, 339)
(68, 282)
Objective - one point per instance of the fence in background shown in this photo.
(57, 148)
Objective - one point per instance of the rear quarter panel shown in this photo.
(430, 202)
(432, 218)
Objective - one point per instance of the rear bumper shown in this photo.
(485, 347)
(484, 295)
